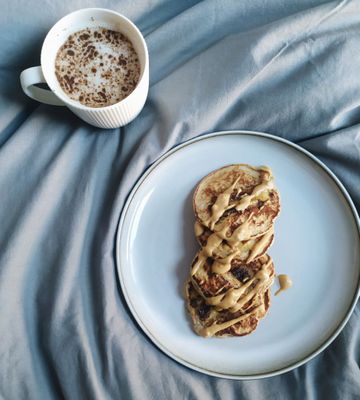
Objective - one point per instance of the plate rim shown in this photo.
(132, 309)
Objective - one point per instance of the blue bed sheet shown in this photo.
(290, 68)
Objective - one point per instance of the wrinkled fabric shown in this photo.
(290, 68)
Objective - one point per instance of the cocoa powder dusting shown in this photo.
(106, 58)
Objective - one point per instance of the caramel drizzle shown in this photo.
(214, 240)
(285, 283)
(198, 229)
(264, 280)
(233, 299)
(221, 204)
(241, 232)
(222, 201)
(199, 263)
(260, 245)
(213, 329)
(246, 200)
(221, 266)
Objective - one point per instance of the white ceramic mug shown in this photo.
(113, 116)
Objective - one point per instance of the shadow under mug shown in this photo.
(112, 116)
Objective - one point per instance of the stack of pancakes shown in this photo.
(228, 290)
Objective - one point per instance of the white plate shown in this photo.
(316, 243)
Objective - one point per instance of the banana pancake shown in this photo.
(223, 251)
(238, 202)
(208, 321)
(235, 288)
(228, 290)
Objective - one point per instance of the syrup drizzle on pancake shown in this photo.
(285, 283)
(223, 199)
(236, 299)
(213, 329)
(198, 228)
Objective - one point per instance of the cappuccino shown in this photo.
(97, 67)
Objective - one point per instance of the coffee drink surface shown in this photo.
(97, 67)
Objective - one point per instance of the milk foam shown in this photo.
(97, 67)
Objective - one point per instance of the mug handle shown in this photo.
(30, 77)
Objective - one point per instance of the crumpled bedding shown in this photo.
(286, 68)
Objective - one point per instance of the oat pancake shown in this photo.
(223, 251)
(208, 321)
(238, 202)
(235, 288)
(228, 290)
